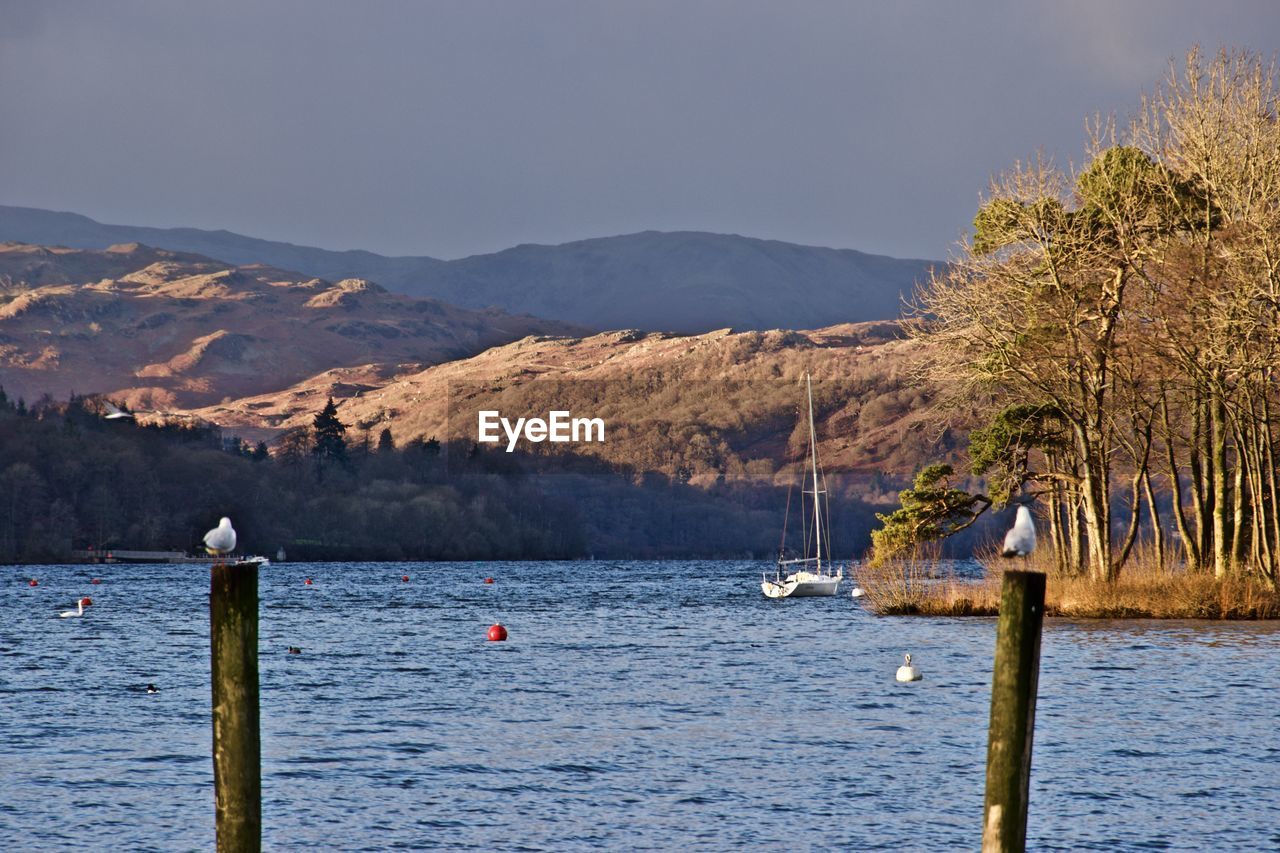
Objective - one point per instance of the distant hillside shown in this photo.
(655, 281)
(722, 406)
(156, 328)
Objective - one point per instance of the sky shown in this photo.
(457, 128)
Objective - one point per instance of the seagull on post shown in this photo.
(221, 540)
(1020, 541)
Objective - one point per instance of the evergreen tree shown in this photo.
(330, 436)
(386, 444)
(260, 453)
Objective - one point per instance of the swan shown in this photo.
(1020, 541)
(907, 672)
(221, 539)
(858, 592)
(79, 611)
(114, 412)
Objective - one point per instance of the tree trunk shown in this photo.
(1201, 474)
(1055, 522)
(1221, 496)
(1157, 531)
(1242, 507)
(1273, 490)
(1189, 544)
(1135, 518)
(1096, 511)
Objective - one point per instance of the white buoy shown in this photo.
(221, 539)
(1020, 541)
(907, 672)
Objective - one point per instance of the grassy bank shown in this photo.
(925, 587)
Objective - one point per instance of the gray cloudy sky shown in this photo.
(452, 128)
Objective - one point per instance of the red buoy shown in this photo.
(96, 580)
(86, 601)
(307, 581)
(404, 578)
(497, 633)
(488, 580)
(33, 582)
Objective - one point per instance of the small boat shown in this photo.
(808, 575)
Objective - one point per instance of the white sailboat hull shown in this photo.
(802, 585)
(819, 586)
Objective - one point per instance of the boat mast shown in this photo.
(813, 450)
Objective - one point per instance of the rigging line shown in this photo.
(804, 523)
(805, 527)
(786, 515)
(827, 508)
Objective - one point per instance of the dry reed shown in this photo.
(923, 585)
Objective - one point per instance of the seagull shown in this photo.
(1020, 541)
(221, 539)
(79, 611)
(907, 672)
(114, 412)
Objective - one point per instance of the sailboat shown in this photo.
(807, 575)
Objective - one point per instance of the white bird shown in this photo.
(79, 611)
(114, 412)
(1020, 541)
(858, 592)
(221, 539)
(907, 672)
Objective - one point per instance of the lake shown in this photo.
(636, 705)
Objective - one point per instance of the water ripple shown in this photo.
(636, 705)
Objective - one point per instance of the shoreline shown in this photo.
(919, 588)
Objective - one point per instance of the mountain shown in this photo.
(164, 329)
(687, 281)
(706, 408)
(684, 281)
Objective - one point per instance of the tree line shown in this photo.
(1119, 327)
(72, 478)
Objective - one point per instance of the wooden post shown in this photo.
(1013, 712)
(233, 658)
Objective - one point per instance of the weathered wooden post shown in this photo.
(233, 647)
(1013, 712)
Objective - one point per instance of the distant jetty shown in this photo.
(120, 556)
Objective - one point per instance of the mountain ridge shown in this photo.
(161, 329)
(680, 281)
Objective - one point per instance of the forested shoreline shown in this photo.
(72, 478)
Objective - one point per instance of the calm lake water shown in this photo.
(636, 705)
